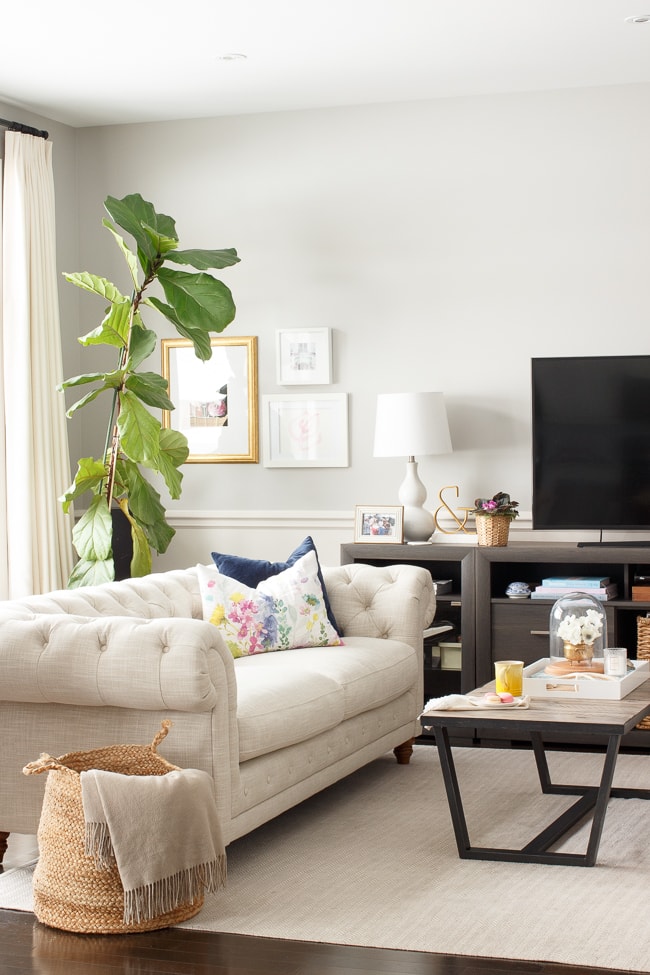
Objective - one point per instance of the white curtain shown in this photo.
(34, 465)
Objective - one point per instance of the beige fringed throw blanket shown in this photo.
(162, 832)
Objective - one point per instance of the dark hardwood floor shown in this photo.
(30, 948)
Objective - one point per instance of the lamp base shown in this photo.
(419, 523)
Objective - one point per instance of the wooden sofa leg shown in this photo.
(4, 840)
(404, 751)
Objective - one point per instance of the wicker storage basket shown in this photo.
(69, 891)
(492, 529)
(643, 653)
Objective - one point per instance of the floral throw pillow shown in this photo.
(283, 612)
(253, 571)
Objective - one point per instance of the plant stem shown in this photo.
(114, 437)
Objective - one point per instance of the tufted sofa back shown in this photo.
(365, 603)
(160, 595)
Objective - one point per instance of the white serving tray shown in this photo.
(539, 684)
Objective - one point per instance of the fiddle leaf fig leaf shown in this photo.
(129, 256)
(88, 398)
(199, 300)
(205, 260)
(93, 533)
(90, 377)
(146, 508)
(114, 329)
(89, 476)
(174, 451)
(133, 213)
(96, 285)
(141, 558)
(151, 389)
(91, 572)
(199, 338)
(143, 343)
(162, 245)
(139, 431)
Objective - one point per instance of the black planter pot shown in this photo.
(122, 544)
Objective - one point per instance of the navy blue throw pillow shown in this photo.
(250, 572)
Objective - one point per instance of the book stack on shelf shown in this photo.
(600, 587)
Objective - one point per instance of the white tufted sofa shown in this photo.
(102, 665)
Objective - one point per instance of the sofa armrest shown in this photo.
(393, 601)
(177, 664)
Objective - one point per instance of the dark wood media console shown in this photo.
(494, 627)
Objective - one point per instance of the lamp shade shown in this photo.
(411, 423)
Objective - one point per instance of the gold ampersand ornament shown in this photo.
(461, 522)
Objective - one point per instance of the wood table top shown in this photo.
(569, 716)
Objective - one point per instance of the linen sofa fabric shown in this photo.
(87, 668)
(112, 661)
(291, 697)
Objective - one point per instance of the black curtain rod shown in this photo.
(25, 129)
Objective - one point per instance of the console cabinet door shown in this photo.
(520, 632)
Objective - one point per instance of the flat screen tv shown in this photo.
(591, 442)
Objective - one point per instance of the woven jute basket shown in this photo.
(643, 653)
(70, 892)
(492, 529)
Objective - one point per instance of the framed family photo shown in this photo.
(303, 356)
(215, 401)
(306, 431)
(379, 524)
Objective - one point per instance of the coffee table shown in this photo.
(575, 720)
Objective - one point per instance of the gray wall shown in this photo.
(444, 242)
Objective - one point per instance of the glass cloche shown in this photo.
(578, 633)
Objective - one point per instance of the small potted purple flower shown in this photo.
(493, 517)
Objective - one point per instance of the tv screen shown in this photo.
(591, 442)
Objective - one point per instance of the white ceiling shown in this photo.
(88, 63)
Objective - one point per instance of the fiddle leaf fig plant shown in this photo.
(197, 304)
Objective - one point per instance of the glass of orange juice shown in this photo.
(509, 676)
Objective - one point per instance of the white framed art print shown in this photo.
(304, 356)
(306, 431)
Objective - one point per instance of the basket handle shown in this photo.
(162, 734)
(44, 764)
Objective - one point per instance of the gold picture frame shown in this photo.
(215, 401)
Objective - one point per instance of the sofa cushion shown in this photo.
(253, 571)
(285, 698)
(279, 706)
(371, 671)
(285, 611)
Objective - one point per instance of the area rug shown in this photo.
(372, 861)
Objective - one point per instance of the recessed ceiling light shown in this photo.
(638, 19)
(231, 57)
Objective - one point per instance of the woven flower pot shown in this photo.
(492, 529)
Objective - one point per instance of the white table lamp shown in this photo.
(408, 424)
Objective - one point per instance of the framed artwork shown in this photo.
(379, 524)
(306, 431)
(304, 356)
(215, 401)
